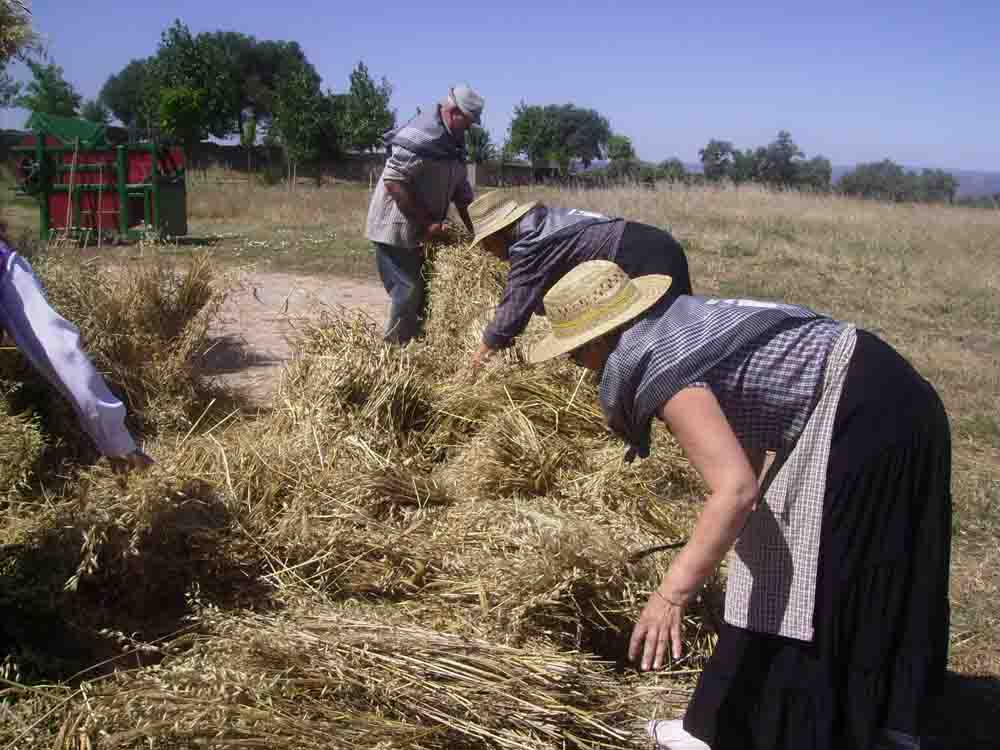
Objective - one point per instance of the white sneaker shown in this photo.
(670, 735)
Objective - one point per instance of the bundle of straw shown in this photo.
(21, 445)
(330, 677)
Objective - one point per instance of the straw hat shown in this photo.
(495, 211)
(592, 299)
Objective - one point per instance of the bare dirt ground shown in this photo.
(261, 315)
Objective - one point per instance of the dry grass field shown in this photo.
(390, 557)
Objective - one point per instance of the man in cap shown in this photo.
(424, 173)
(543, 243)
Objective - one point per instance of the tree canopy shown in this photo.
(620, 148)
(199, 64)
(559, 132)
(886, 180)
(364, 114)
(94, 111)
(717, 159)
(48, 91)
(237, 74)
(182, 115)
(304, 117)
(479, 146)
(132, 94)
(779, 164)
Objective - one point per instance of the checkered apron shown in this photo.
(772, 568)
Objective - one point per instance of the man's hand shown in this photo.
(134, 461)
(436, 230)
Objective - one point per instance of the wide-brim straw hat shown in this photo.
(495, 211)
(592, 299)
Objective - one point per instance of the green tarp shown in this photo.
(68, 130)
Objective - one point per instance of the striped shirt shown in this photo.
(435, 183)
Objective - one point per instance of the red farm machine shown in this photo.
(89, 189)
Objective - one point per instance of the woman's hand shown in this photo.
(696, 420)
(134, 461)
(483, 353)
(658, 629)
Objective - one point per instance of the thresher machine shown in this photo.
(89, 188)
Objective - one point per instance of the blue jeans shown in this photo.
(400, 270)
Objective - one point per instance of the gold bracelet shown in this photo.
(668, 601)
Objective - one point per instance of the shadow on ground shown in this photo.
(231, 353)
(140, 586)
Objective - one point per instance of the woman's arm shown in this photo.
(697, 421)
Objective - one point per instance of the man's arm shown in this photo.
(407, 202)
(52, 345)
(462, 198)
(463, 212)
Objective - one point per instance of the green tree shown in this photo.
(304, 119)
(531, 132)
(717, 159)
(884, 180)
(559, 132)
(9, 89)
(585, 132)
(747, 165)
(672, 169)
(133, 93)
(199, 64)
(256, 67)
(937, 186)
(779, 161)
(181, 116)
(478, 145)
(364, 111)
(17, 38)
(248, 138)
(620, 148)
(95, 111)
(48, 91)
(815, 173)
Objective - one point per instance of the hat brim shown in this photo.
(495, 225)
(651, 288)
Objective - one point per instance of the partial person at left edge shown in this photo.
(52, 345)
(424, 173)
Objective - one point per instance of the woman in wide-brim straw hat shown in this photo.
(543, 243)
(836, 623)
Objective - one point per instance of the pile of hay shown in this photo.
(351, 677)
(392, 556)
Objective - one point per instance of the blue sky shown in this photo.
(917, 81)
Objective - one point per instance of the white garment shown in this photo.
(52, 345)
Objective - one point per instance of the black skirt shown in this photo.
(881, 615)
